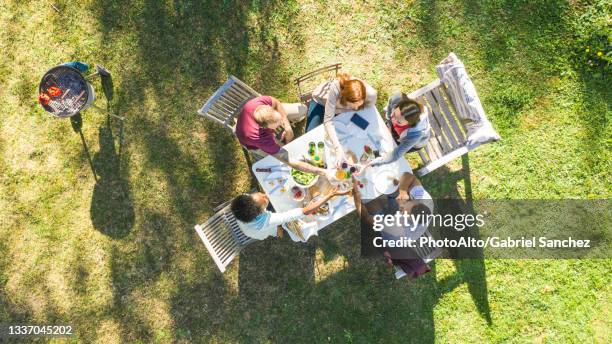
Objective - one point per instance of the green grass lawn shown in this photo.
(119, 258)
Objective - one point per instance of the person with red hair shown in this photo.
(345, 93)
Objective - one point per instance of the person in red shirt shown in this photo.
(256, 131)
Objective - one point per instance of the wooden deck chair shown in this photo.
(426, 253)
(448, 134)
(307, 82)
(222, 236)
(226, 103)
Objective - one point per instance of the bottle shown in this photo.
(321, 152)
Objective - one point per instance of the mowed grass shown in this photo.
(119, 258)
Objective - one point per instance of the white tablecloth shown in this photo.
(352, 138)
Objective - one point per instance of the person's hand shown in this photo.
(330, 175)
(338, 192)
(402, 196)
(340, 157)
(288, 135)
(360, 169)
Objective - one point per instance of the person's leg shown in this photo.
(316, 112)
(295, 111)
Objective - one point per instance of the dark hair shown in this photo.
(245, 208)
(420, 209)
(411, 109)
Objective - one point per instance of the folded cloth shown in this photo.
(308, 229)
(277, 175)
(463, 95)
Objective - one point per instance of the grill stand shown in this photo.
(77, 124)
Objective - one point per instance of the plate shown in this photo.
(305, 186)
(383, 181)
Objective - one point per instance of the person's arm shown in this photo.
(330, 112)
(406, 143)
(315, 205)
(371, 94)
(406, 183)
(357, 197)
(278, 219)
(278, 106)
(283, 156)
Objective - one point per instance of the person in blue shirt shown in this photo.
(408, 121)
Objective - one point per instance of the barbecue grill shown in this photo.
(65, 92)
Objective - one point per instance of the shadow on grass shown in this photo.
(472, 271)
(112, 209)
(180, 53)
(324, 291)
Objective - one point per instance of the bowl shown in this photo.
(303, 185)
(298, 193)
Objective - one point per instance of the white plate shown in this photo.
(383, 181)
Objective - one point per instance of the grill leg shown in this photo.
(77, 124)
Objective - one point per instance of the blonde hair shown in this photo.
(351, 91)
(264, 115)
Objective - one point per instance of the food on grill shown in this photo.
(54, 91)
(67, 91)
(44, 98)
(303, 178)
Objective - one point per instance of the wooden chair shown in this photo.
(222, 236)
(307, 82)
(226, 103)
(448, 134)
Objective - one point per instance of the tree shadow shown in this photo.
(112, 209)
(180, 55)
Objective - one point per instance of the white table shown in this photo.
(352, 138)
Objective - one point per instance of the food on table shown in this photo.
(303, 178)
(323, 209)
(298, 193)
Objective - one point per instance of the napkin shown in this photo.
(276, 175)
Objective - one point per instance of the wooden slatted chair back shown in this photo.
(226, 103)
(307, 82)
(448, 133)
(222, 237)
